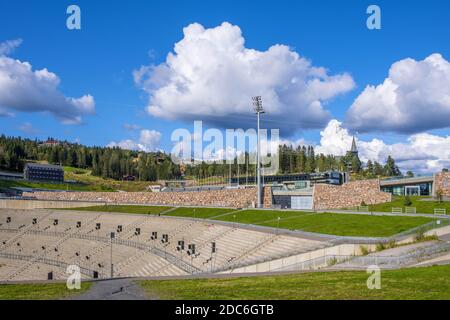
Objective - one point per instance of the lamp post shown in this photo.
(257, 103)
(111, 257)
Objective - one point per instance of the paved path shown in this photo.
(116, 289)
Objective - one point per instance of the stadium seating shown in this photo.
(35, 242)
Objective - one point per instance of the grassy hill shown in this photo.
(45, 291)
(408, 284)
(85, 181)
(327, 223)
(422, 204)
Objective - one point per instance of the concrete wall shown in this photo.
(349, 195)
(442, 182)
(283, 263)
(44, 204)
(217, 198)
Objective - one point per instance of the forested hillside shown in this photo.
(104, 162)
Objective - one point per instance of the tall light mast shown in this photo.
(258, 107)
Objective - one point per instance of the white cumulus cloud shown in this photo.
(422, 153)
(415, 97)
(212, 76)
(149, 140)
(9, 46)
(23, 89)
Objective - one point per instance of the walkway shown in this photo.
(116, 289)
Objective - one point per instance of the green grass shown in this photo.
(415, 283)
(329, 223)
(202, 213)
(261, 216)
(39, 291)
(422, 206)
(84, 176)
(53, 186)
(84, 182)
(124, 209)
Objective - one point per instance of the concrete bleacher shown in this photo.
(133, 255)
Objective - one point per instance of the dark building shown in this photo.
(43, 172)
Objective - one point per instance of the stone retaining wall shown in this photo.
(267, 197)
(442, 182)
(216, 198)
(349, 195)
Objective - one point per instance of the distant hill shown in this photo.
(104, 162)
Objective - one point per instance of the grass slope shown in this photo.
(329, 223)
(84, 182)
(53, 186)
(422, 206)
(124, 209)
(408, 284)
(51, 291)
(202, 213)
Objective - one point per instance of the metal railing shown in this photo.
(352, 261)
(43, 260)
(183, 265)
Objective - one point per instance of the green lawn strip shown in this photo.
(351, 224)
(414, 283)
(201, 213)
(124, 209)
(421, 206)
(259, 216)
(53, 186)
(47, 291)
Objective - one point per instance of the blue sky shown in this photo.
(118, 37)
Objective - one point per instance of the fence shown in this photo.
(183, 265)
(397, 210)
(410, 210)
(51, 262)
(349, 261)
(440, 211)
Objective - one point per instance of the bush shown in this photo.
(364, 250)
(392, 243)
(332, 262)
(420, 235)
(380, 247)
(407, 201)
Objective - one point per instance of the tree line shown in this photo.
(116, 163)
(104, 162)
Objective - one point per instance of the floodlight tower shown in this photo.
(257, 103)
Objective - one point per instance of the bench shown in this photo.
(440, 211)
(410, 210)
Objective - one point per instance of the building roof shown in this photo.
(40, 165)
(354, 149)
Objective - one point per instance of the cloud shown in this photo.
(415, 97)
(422, 153)
(23, 89)
(212, 76)
(9, 46)
(27, 127)
(131, 127)
(149, 140)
